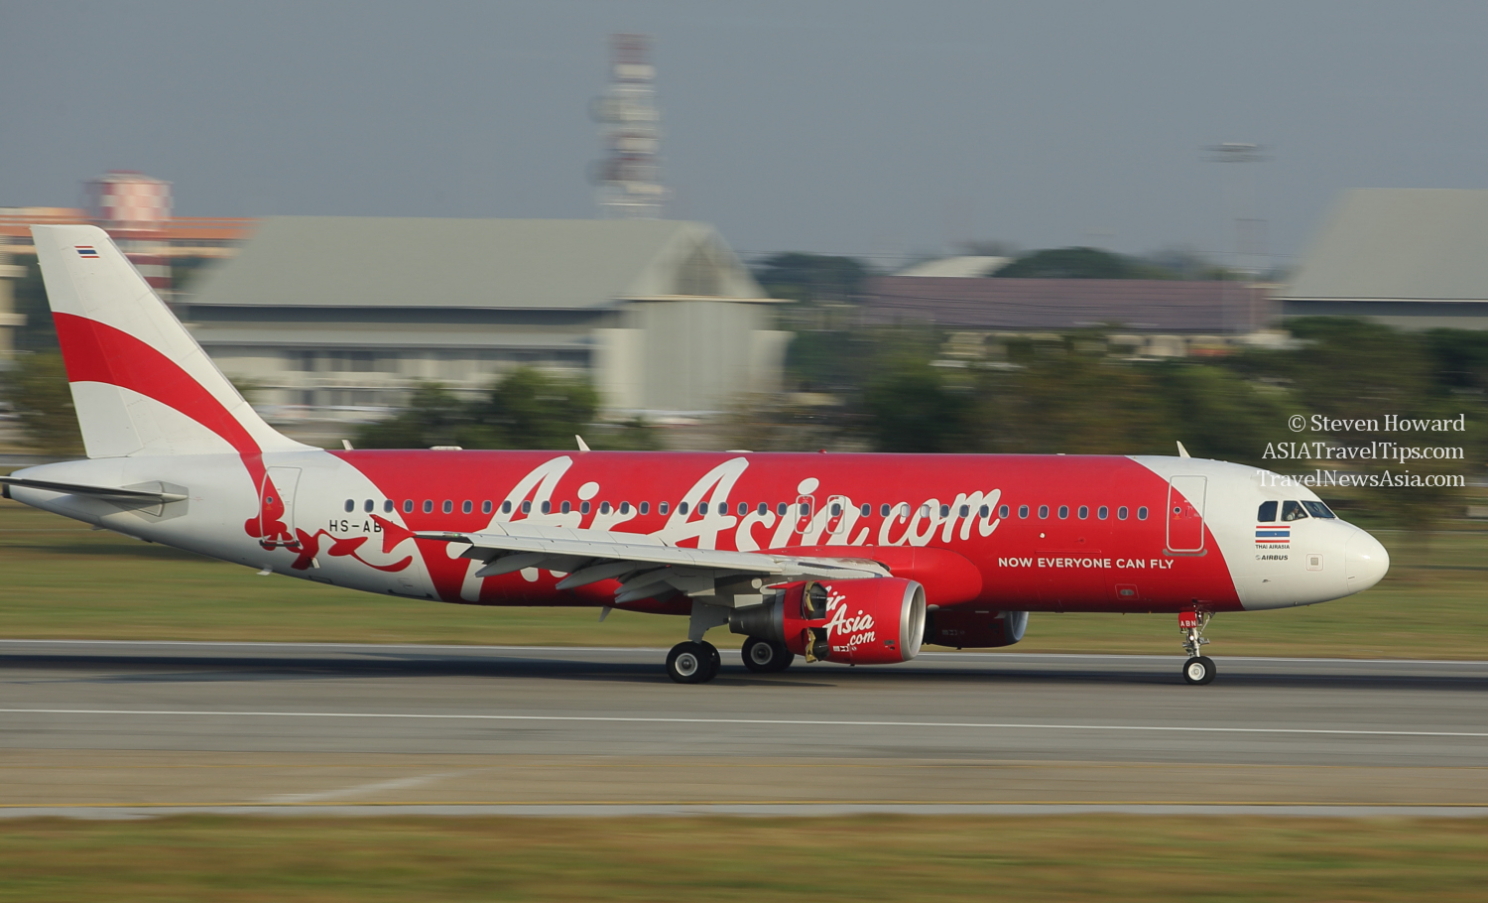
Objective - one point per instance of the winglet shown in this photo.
(1183, 452)
(583, 446)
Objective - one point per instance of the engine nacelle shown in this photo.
(967, 629)
(872, 621)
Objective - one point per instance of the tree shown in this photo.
(1081, 263)
(812, 277)
(527, 409)
(41, 398)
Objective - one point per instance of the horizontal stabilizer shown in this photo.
(98, 492)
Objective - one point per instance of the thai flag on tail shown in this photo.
(1273, 533)
(87, 252)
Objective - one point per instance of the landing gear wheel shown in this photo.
(766, 657)
(693, 663)
(1199, 670)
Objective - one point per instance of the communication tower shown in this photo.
(628, 178)
(135, 209)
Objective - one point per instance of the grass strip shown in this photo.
(1064, 858)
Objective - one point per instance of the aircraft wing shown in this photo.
(645, 565)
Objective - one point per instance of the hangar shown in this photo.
(339, 316)
(1410, 258)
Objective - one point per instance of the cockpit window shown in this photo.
(1292, 511)
(1267, 514)
(1318, 509)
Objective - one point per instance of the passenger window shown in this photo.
(782, 508)
(883, 510)
(506, 507)
(547, 507)
(428, 506)
(1002, 512)
(866, 509)
(604, 507)
(1318, 509)
(350, 505)
(467, 506)
(741, 509)
(1083, 513)
(835, 509)
(625, 507)
(1121, 513)
(764, 508)
(565, 507)
(369, 506)
(486, 507)
(1043, 512)
(1142, 513)
(1063, 511)
(645, 507)
(662, 508)
(408, 506)
(1292, 511)
(702, 508)
(805, 509)
(448, 507)
(1022, 510)
(965, 510)
(1267, 512)
(387, 506)
(945, 511)
(526, 507)
(1103, 512)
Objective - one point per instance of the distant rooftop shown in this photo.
(326, 261)
(968, 267)
(1063, 304)
(1398, 244)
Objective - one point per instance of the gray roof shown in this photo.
(331, 261)
(1398, 244)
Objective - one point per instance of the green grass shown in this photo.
(1068, 858)
(61, 580)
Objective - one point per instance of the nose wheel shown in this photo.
(1199, 669)
(693, 663)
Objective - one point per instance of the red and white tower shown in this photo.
(629, 179)
(135, 209)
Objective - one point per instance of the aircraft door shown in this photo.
(1185, 513)
(276, 521)
(837, 514)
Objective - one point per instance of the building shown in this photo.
(1406, 257)
(1061, 305)
(339, 316)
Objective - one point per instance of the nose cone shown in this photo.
(1365, 562)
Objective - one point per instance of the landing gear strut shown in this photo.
(1199, 669)
(693, 662)
(766, 656)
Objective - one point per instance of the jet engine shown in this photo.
(967, 629)
(872, 621)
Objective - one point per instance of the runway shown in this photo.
(90, 727)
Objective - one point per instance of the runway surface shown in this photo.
(98, 727)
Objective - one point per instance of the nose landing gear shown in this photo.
(1199, 669)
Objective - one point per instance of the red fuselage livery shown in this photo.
(842, 557)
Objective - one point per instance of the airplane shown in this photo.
(853, 558)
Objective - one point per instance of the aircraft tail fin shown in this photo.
(140, 382)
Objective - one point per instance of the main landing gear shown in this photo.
(1199, 669)
(693, 662)
(766, 656)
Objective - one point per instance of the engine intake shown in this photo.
(873, 621)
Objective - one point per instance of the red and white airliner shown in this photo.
(856, 558)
